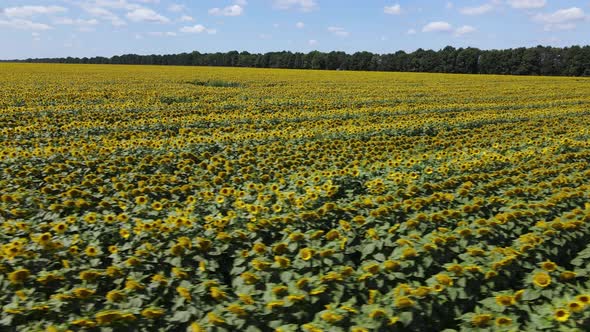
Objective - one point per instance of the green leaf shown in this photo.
(531, 294)
(181, 317)
(406, 318)
(368, 249)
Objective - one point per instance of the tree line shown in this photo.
(539, 60)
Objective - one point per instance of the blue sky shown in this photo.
(55, 28)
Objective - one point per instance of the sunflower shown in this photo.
(184, 292)
(548, 266)
(481, 320)
(217, 293)
(444, 279)
(141, 200)
(89, 275)
(19, 276)
(60, 227)
(115, 296)
(503, 321)
(390, 265)
(91, 251)
(505, 300)
(84, 322)
(107, 317)
(404, 302)
(83, 293)
(542, 279)
(152, 313)
(561, 315)
(282, 261)
(306, 253)
(377, 313)
(331, 317)
(44, 239)
(575, 306)
(584, 298)
(157, 206)
(295, 297)
(275, 304)
(567, 275)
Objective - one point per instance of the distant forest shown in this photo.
(540, 60)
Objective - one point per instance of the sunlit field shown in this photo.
(145, 198)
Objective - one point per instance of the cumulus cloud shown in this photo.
(234, 10)
(27, 11)
(464, 30)
(338, 31)
(303, 5)
(478, 10)
(527, 4)
(162, 34)
(563, 19)
(78, 21)
(199, 28)
(24, 25)
(312, 42)
(393, 10)
(104, 14)
(176, 8)
(186, 18)
(441, 26)
(437, 26)
(561, 16)
(146, 15)
(300, 25)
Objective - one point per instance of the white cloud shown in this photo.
(24, 25)
(477, 10)
(527, 4)
(36, 36)
(561, 16)
(78, 21)
(437, 26)
(264, 36)
(449, 5)
(199, 28)
(104, 14)
(162, 34)
(234, 10)
(27, 11)
(338, 31)
(300, 25)
(176, 8)
(241, 2)
(303, 5)
(146, 15)
(464, 30)
(312, 42)
(564, 26)
(563, 19)
(393, 10)
(116, 4)
(411, 32)
(186, 18)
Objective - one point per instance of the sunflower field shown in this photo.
(136, 198)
